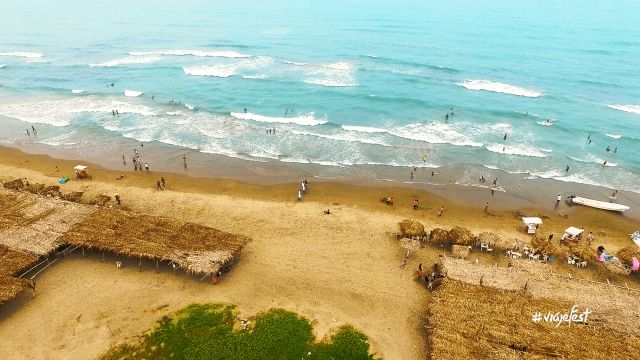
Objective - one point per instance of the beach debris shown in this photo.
(411, 228)
(74, 196)
(100, 200)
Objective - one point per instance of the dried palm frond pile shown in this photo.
(543, 246)
(460, 251)
(479, 322)
(489, 238)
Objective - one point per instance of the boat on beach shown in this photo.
(598, 204)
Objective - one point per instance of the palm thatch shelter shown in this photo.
(461, 236)
(410, 228)
(34, 224)
(439, 236)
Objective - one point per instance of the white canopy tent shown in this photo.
(531, 223)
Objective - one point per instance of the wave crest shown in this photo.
(22, 54)
(199, 53)
(308, 120)
(498, 87)
(633, 109)
(131, 60)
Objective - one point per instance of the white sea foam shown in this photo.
(294, 63)
(226, 70)
(22, 54)
(62, 112)
(308, 119)
(132, 93)
(130, 60)
(592, 159)
(338, 74)
(365, 129)
(545, 123)
(188, 106)
(2, 66)
(434, 133)
(633, 109)
(613, 136)
(343, 137)
(498, 87)
(295, 160)
(521, 150)
(261, 76)
(199, 53)
(77, 91)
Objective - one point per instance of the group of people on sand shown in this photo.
(271, 131)
(304, 186)
(137, 161)
(33, 130)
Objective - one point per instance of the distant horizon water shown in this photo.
(428, 85)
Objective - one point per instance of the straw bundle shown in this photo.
(616, 267)
(474, 322)
(439, 236)
(626, 254)
(488, 238)
(411, 228)
(460, 251)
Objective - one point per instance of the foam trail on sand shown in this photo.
(131, 60)
(132, 93)
(633, 109)
(498, 87)
(199, 53)
(308, 119)
(365, 129)
(22, 54)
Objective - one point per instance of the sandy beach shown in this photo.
(334, 269)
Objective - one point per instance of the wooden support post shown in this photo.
(157, 266)
(140, 265)
(608, 282)
(103, 256)
(83, 251)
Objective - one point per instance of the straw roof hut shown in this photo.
(488, 237)
(196, 248)
(460, 251)
(629, 252)
(461, 236)
(411, 228)
(11, 263)
(581, 249)
(439, 236)
(543, 245)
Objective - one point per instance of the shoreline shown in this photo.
(514, 191)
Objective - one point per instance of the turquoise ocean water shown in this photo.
(343, 83)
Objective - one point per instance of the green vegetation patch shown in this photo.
(211, 331)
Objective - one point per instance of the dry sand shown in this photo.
(334, 269)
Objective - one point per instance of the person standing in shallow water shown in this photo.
(184, 159)
(486, 208)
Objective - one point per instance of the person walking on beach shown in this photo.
(117, 196)
(567, 169)
(441, 212)
(274, 130)
(495, 182)
(184, 159)
(28, 134)
(614, 195)
(486, 208)
(36, 133)
(163, 182)
(416, 204)
(299, 195)
(558, 200)
(158, 187)
(123, 160)
(146, 167)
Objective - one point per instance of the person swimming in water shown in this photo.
(245, 110)
(608, 148)
(567, 169)
(505, 137)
